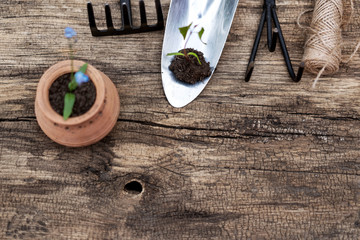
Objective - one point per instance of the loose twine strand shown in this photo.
(323, 46)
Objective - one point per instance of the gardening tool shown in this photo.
(215, 16)
(269, 15)
(126, 16)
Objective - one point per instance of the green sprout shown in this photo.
(184, 32)
(76, 78)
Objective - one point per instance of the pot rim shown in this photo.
(58, 70)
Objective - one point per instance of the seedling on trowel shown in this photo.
(184, 32)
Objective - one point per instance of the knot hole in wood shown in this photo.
(133, 187)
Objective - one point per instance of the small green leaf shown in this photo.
(69, 101)
(201, 34)
(195, 55)
(175, 54)
(184, 30)
(83, 68)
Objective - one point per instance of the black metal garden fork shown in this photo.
(269, 15)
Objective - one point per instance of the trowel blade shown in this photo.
(216, 17)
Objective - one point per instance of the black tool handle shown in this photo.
(251, 63)
(284, 50)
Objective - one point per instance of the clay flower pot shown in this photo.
(88, 128)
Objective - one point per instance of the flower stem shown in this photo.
(185, 53)
(71, 54)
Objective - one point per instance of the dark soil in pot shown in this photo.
(189, 70)
(85, 96)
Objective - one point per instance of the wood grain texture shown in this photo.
(268, 159)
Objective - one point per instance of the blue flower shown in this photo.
(81, 78)
(69, 32)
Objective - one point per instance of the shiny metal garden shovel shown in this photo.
(215, 16)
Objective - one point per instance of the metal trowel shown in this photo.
(215, 16)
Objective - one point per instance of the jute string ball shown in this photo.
(322, 55)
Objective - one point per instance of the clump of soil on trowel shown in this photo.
(188, 69)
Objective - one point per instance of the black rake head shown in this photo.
(126, 16)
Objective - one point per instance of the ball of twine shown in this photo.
(322, 55)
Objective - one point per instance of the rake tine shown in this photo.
(142, 13)
(92, 22)
(159, 13)
(275, 36)
(109, 22)
(126, 15)
(251, 64)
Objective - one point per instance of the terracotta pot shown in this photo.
(88, 128)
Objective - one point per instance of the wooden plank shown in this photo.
(193, 192)
(268, 159)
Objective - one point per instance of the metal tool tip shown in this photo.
(249, 71)
(300, 72)
(251, 65)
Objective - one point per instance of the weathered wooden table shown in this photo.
(268, 159)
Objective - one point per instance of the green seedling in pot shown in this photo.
(76, 78)
(184, 32)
